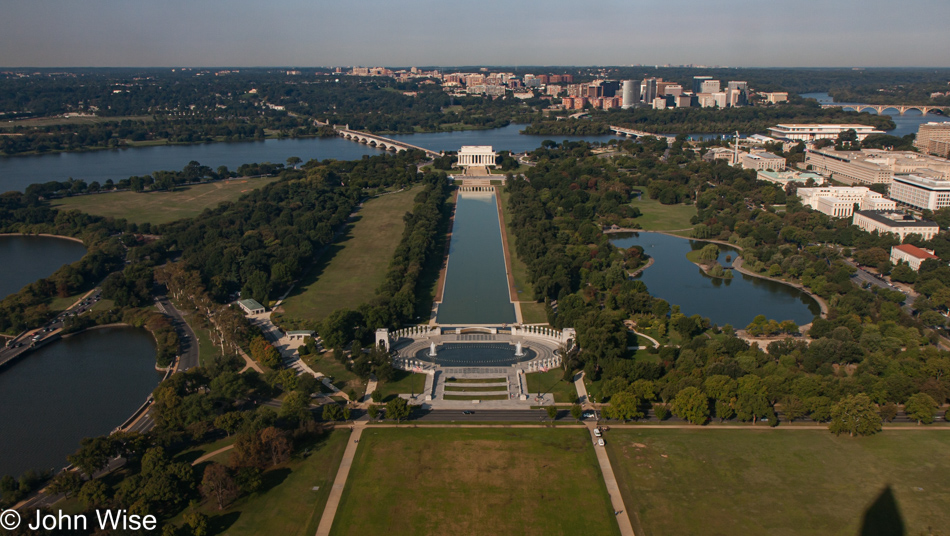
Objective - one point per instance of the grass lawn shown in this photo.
(343, 379)
(287, 504)
(552, 382)
(781, 482)
(402, 382)
(534, 313)
(455, 388)
(659, 217)
(448, 396)
(519, 270)
(61, 304)
(161, 207)
(349, 273)
(418, 481)
(475, 380)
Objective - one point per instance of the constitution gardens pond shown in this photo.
(25, 259)
(733, 301)
(81, 386)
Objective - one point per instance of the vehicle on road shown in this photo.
(601, 442)
(597, 432)
(468, 412)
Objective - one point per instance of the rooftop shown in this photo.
(895, 219)
(916, 251)
(251, 304)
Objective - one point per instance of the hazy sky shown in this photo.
(72, 33)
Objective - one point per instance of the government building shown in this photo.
(896, 223)
(874, 166)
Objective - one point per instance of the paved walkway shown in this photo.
(210, 455)
(613, 490)
(336, 493)
(582, 397)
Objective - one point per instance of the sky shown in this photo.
(302, 33)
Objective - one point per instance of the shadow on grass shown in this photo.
(219, 524)
(883, 517)
(272, 479)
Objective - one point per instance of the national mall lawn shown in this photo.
(780, 481)
(475, 481)
(354, 266)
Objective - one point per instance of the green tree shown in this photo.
(332, 412)
(296, 406)
(624, 406)
(692, 405)
(551, 411)
(855, 415)
(66, 482)
(94, 493)
(198, 523)
(752, 401)
(294, 161)
(372, 411)
(397, 409)
(576, 411)
(921, 407)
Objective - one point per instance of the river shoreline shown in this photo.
(72, 238)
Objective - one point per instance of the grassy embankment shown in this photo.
(531, 311)
(551, 382)
(781, 482)
(161, 207)
(474, 482)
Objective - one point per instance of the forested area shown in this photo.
(397, 298)
(867, 353)
(745, 120)
(158, 106)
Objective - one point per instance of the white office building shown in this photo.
(920, 192)
(839, 201)
(896, 223)
(812, 131)
(912, 255)
(762, 160)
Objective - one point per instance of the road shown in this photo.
(188, 342)
(25, 341)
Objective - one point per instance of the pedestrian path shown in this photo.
(336, 492)
(613, 490)
(582, 397)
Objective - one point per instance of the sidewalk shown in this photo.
(336, 493)
(613, 490)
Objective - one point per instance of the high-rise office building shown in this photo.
(742, 87)
(698, 83)
(649, 90)
(631, 94)
(709, 86)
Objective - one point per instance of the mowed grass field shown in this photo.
(287, 504)
(793, 482)
(656, 216)
(162, 207)
(354, 266)
(440, 481)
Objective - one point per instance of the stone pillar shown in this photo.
(382, 338)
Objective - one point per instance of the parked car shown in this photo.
(601, 442)
(597, 432)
